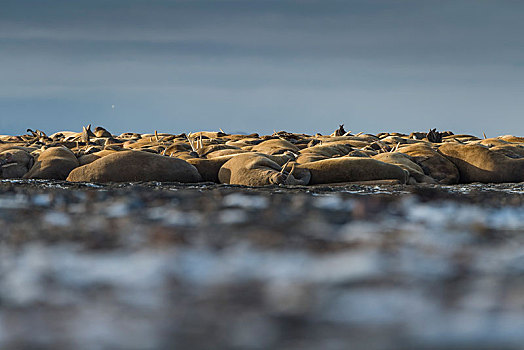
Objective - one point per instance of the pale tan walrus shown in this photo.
(257, 170)
(350, 169)
(416, 174)
(128, 166)
(477, 163)
(433, 163)
(15, 163)
(55, 163)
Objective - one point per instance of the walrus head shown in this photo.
(7, 158)
(340, 131)
(295, 176)
(434, 136)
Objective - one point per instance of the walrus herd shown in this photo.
(282, 158)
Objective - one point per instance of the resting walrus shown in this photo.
(348, 169)
(433, 163)
(258, 170)
(477, 163)
(15, 163)
(127, 166)
(55, 163)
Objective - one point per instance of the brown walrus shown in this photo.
(128, 166)
(433, 163)
(478, 163)
(348, 169)
(55, 163)
(257, 170)
(15, 163)
(404, 161)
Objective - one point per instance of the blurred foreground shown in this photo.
(158, 266)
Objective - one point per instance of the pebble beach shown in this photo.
(162, 265)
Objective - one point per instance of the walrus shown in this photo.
(510, 150)
(54, 163)
(102, 132)
(348, 169)
(511, 138)
(210, 148)
(478, 163)
(209, 134)
(250, 169)
(129, 166)
(224, 152)
(402, 140)
(243, 142)
(432, 163)
(416, 174)
(493, 141)
(15, 163)
(326, 150)
(459, 138)
(209, 167)
(91, 157)
(274, 146)
(340, 131)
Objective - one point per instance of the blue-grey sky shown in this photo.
(256, 66)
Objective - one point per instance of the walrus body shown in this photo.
(416, 173)
(258, 170)
(209, 168)
(477, 163)
(347, 169)
(91, 157)
(433, 163)
(15, 163)
(127, 166)
(55, 163)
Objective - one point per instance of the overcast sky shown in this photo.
(256, 66)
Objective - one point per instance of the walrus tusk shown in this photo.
(360, 133)
(394, 149)
(291, 171)
(483, 133)
(188, 136)
(156, 136)
(284, 167)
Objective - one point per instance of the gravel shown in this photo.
(166, 265)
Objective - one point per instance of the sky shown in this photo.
(259, 66)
